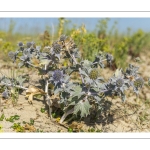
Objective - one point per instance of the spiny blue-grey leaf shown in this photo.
(86, 64)
(6, 80)
(72, 103)
(101, 86)
(69, 87)
(83, 107)
(88, 80)
(20, 79)
(20, 64)
(83, 73)
(73, 100)
(57, 90)
(66, 79)
(38, 48)
(77, 91)
(97, 98)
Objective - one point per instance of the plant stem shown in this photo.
(47, 98)
(66, 114)
(81, 76)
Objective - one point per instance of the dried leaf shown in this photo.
(35, 61)
(31, 91)
(76, 126)
(29, 128)
(83, 107)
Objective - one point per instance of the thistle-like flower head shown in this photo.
(109, 58)
(119, 82)
(57, 48)
(93, 74)
(131, 71)
(20, 44)
(5, 94)
(138, 83)
(57, 77)
(12, 56)
(63, 38)
(29, 44)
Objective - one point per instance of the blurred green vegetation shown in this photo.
(89, 42)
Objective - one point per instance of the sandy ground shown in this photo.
(131, 116)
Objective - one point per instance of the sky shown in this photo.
(39, 24)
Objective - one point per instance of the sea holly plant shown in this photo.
(78, 96)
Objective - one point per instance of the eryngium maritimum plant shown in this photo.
(80, 96)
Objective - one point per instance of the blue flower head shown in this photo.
(29, 44)
(5, 94)
(137, 84)
(57, 77)
(56, 49)
(109, 58)
(119, 82)
(63, 38)
(12, 56)
(20, 44)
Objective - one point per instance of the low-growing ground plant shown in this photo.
(1, 128)
(77, 88)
